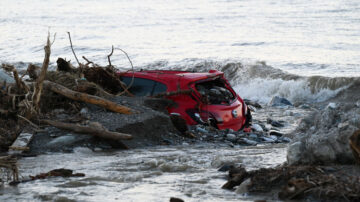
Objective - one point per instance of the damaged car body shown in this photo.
(201, 98)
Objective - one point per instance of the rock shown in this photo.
(274, 123)
(357, 104)
(267, 139)
(257, 127)
(294, 153)
(331, 105)
(252, 108)
(231, 137)
(279, 102)
(276, 133)
(343, 125)
(253, 136)
(304, 106)
(173, 199)
(243, 187)
(84, 111)
(252, 103)
(201, 130)
(247, 141)
(226, 167)
(284, 139)
(274, 137)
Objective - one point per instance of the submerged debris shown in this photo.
(62, 172)
(8, 164)
(337, 183)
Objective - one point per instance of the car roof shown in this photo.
(170, 75)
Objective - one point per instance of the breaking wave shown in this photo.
(260, 82)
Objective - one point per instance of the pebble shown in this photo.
(279, 102)
(267, 139)
(231, 137)
(275, 123)
(201, 130)
(253, 136)
(84, 111)
(284, 139)
(331, 105)
(257, 127)
(358, 104)
(252, 108)
(275, 133)
(247, 141)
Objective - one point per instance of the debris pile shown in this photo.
(338, 183)
(26, 104)
(8, 168)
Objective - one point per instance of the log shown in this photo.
(95, 129)
(57, 88)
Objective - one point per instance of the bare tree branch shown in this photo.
(74, 51)
(112, 51)
(132, 68)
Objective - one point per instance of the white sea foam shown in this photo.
(262, 90)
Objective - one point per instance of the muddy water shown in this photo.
(155, 174)
(150, 174)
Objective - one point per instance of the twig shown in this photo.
(112, 51)
(27, 120)
(132, 68)
(74, 52)
(88, 61)
(19, 83)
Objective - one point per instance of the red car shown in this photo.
(201, 98)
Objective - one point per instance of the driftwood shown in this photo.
(95, 129)
(355, 145)
(57, 88)
(19, 83)
(41, 78)
(62, 172)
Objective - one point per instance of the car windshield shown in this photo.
(215, 92)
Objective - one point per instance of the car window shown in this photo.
(159, 88)
(144, 87)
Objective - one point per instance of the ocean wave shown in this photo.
(260, 82)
